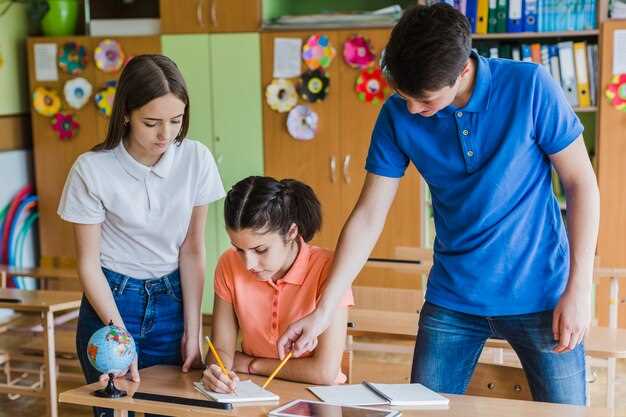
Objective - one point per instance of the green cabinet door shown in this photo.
(192, 54)
(237, 122)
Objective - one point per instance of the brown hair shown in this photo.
(144, 78)
(264, 203)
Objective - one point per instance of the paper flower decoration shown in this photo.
(371, 86)
(616, 92)
(313, 85)
(318, 52)
(302, 123)
(357, 52)
(281, 95)
(77, 92)
(65, 126)
(72, 58)
(104, 98)
(109, 56)
(46, 101)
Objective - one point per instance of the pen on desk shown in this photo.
(278, 368)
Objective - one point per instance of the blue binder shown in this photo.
(471, 8)
(515, 17)
(526, 54)
(530, 16)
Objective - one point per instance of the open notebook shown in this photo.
(368, 393)
(246, 391)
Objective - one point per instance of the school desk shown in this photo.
(45, 303)
(169, 380)
(41, 273)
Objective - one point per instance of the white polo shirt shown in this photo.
(144, 211)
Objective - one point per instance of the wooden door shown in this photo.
(234, 15)
(188, 16)
(308, 161)
(355, 129)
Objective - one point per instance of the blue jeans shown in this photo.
(152, 311)
(449, 343)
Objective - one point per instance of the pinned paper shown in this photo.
(287, 57)
(46, 62)
(109, 56)
(72, 58)
(358, 52)
(302, 123)
(281, 95)
(318, 52)
(371, 86)
(616, 92)
(619, 51)
(77, 92)
(314, 85)
(46, 101)
(105, 97)
(65, 126)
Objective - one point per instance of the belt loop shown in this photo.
(168, 284)
(120, 290)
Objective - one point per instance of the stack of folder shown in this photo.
(501, 16)
(574, 65)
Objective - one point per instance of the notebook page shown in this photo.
(246, 391)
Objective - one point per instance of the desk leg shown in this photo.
(47, 320)
(610, 386)
(120, 413)
(3, 279)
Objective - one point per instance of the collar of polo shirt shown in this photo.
(138, 170)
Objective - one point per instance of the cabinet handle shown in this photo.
(214, 13)
(333, 169)
(199, 14)
(346, 169)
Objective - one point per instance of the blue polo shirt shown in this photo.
(501, 246)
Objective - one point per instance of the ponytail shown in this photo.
(268, 205)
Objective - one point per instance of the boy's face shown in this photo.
(432, 101)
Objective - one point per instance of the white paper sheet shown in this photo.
(246, 391)
(46, 62)
(619, 51)
(287, 57)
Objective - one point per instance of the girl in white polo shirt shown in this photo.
(138, 202)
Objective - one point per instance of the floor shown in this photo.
(380, 367)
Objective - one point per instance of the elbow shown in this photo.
(326, 375)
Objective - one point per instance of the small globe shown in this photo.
(111, 350)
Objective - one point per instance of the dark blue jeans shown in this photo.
(449, 343)
(152, 311)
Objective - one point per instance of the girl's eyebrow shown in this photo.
(256, 247)
(157, 119)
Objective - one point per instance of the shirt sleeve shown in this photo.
(556, 124)
(223, 283)
(385, 158)
(79, 200)
(210, 186)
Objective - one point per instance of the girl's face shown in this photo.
(267, 255)
(154, 126)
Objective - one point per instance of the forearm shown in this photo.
(307, 370)
(583, 213)
(98, 292)
(192, 275)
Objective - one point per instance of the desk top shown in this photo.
(169, 380)
(41, 273)
(39, 300)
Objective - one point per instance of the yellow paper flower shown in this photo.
(46, 101)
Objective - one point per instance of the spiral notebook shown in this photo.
(368, 393)
(246, 391)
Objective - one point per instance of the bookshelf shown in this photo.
(535, 35)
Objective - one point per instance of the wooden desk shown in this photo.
(170, 381)
(44, 303)
(42, 273)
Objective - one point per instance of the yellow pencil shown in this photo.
(278, 368)
(217, 357)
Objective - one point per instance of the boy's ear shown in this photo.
(293, 232)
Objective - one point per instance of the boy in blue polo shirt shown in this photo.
(483, 133)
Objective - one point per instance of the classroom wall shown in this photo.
(13, 71)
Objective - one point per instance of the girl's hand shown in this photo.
(213, 379)
(190, 351)
(132, 373)
(242, 363)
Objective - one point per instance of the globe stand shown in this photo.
(110, 391)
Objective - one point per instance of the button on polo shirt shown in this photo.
(265, 309)
(144, 211)
(501, 246)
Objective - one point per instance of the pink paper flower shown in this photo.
(65, 126)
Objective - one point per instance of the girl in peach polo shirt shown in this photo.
(269, 279)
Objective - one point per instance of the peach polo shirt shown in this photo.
(265, 309)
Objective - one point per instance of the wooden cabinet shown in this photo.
(204, 16)
(53, 158)
(333, 162)
(222, 76)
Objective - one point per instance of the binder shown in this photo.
(526, 55)
(530, 15)
(535, 53)
(545, 58)
(504, 51)
(501, 15)
(514, 21)
(555, 70)
(492, 22)
(493, 52)
(582, 74)
(470, 13)
(541, 20)
(516, 54)
(568, 73)
(592, 60)
(482, 16)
